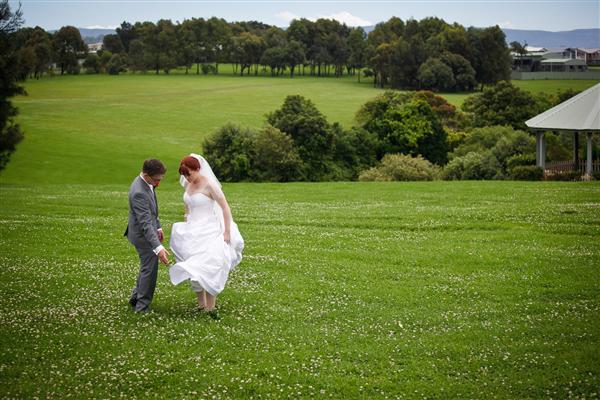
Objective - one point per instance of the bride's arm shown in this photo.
(226, 217)
(218, 195)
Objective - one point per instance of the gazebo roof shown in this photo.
(579, 113)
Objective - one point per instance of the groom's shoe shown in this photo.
(132, 302)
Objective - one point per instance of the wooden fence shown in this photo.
(568, 166)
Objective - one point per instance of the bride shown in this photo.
(208, 244)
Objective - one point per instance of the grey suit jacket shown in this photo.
(143, 215)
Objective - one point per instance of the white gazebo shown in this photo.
(579, 114)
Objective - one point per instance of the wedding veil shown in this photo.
(205, 170)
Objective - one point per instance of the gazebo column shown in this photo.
(540, 150)
(576, 151)
(588, 164)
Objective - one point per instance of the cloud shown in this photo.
(287, 16)
(346, 18)
(343, 17)
(101, 27)
(505, 24)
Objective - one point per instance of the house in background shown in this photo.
(540, 59)
(590, 56)
(94, 47)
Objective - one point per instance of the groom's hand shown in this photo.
(163, 256)
(161, 235)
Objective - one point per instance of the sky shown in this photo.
(526, 14)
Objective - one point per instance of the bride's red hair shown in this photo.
(188, 164)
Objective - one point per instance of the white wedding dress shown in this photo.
(201, 253)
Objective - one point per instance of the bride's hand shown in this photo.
(226, 237)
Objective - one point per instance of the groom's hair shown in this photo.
(188, 164)
(154, 167)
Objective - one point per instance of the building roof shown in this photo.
(568, 61)
(589, 51)
(531, 49)
(579, 113)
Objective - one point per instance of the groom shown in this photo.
(145, 233)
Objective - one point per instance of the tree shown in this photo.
(230, 152)
(42, 47)
(294, 55)
(113, 44)
(160, 45)
(386, 32)
(249, 49)
(117, 64)
(338, 50)
(435, 75)
(275, 58)
(127, 33)
(310, 131)
(381, 62)
(10, 131)
(27, 60)
(276, 158)
(302, 31)
(136, 56)
(404, 124)
(357, 43)
(186, 39)
(454, 39)
(491, 57)
(219, 41)
(104, 57)
(487, 152)
(520, 50)
(463, 72)
(69, 48)
(501, 104)
(354, 150)
(92, 64)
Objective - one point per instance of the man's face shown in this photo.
(155, 179)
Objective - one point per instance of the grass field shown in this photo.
(74, 124)
(347, 290)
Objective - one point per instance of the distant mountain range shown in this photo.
(587, 38)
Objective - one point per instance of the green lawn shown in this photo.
(347, 290)
(97, 128)
(553, 86)
(74, 124)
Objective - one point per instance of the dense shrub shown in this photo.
(92, 64)
(230, 151)
(354, 151)
(311, 133)
(208, 69)
(117, 64)
(400, 167)
(473, 166)
(567, 176)
(501, 104)
(435, 75)
(527, 173)
(520, 160)
(502, 142)
(276, 158)
(404, 124)
(596, 175)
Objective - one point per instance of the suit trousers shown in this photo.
(142, 293)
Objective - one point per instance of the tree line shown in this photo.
(425, 54)
(398, 135)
